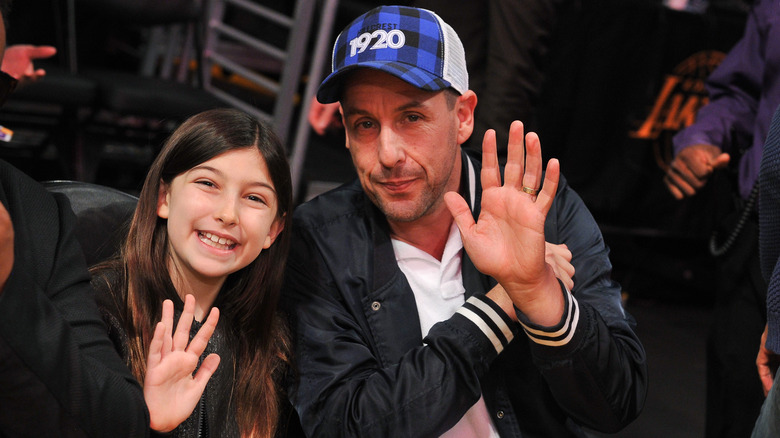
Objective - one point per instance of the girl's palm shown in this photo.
(170, 389)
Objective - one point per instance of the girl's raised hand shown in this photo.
(170, 389)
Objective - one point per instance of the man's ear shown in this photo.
(163, 199)
(274, 231)
(464, 108)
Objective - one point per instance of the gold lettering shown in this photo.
(650, 127)
(680, 118)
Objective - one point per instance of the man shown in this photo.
(744, 91)
(59, 373)
(400, 332)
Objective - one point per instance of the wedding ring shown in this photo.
(530, 191)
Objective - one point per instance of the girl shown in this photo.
(206, 234)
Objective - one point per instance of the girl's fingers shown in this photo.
(182, 336)
(201, 339)
(206, 370)
(156, 346)
(167, 321)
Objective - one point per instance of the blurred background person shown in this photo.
(744, 91)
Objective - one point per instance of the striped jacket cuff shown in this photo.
(559, 334)
(490, 319)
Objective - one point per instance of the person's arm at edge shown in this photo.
(734, 89)
(64, 352)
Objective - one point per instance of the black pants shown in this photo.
(734, 394)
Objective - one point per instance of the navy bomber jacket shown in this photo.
(364, 369)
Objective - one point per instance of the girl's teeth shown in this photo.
(216, 239)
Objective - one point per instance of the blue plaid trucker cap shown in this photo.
(412, 44)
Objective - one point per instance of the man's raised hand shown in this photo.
(507, 240)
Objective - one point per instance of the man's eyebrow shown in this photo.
(410, 105)
(348, 110)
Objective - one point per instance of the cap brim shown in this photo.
(330, 89)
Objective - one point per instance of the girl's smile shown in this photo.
(221, 214)
(215, 241)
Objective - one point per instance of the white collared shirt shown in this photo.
(439, 293)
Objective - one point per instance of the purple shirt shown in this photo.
(744, 92)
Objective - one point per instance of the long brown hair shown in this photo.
(247, 301)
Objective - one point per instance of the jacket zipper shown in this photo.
(203, 428)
